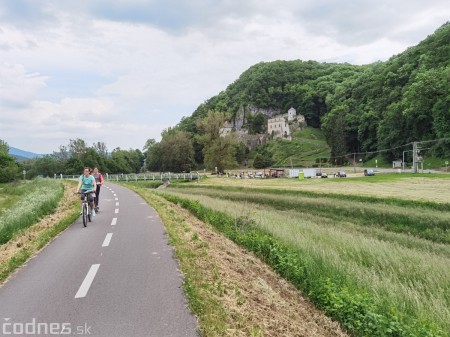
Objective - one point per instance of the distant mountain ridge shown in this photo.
(23, 155)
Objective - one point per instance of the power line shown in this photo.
(390, 149)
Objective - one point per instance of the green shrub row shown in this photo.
(331, 291)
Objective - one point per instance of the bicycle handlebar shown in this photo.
(85, 192)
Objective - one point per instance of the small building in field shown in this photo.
(277, 172)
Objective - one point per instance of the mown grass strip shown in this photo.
(330, 290)
(423, 224)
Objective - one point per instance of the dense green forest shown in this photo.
(369, 108)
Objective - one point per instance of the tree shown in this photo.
(154, 158)
(241, 153)
(218, 151)
(259, 161)
(177, 151)
(101, 149)
(256, 124)
(334, 126)
(9, 170)
(149, 144)
(46, 166)
(77, 148)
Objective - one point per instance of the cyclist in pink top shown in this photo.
(99, 180)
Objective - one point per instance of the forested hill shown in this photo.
(360, 108)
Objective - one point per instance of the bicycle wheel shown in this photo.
(85, 215)
(89, 210)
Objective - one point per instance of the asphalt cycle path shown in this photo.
(116, 277)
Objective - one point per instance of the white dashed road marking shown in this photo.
(107, 240)
(114, 221)
(84, 288)
(116, 211)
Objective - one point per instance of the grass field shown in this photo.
(380, 246)
(306, 146)
(31, 219)
(24, 203)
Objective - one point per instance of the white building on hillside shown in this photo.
(291, 114)
(278, 127)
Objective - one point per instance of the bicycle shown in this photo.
(86, 208)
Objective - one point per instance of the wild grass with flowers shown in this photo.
(25, 202)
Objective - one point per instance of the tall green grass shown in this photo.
(375, 282)
(423, 222)
(36, 199)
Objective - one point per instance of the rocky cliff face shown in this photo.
(269, 112)
(239, 119)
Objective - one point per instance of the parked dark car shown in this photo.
(324, 175)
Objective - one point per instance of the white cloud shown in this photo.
(121, 71)
(17, 86)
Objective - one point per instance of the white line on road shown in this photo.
(107, 240)
(114, 221)
(117, 204)
(115, 194)
(117, 199)
(116, 211)
(84, 288)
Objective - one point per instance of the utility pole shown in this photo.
(415, 157)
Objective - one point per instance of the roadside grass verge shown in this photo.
(40, 199)
(373, 287)
(10, 193)
(26, 242)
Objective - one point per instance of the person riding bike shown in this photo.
(87, 183)
(99, 180)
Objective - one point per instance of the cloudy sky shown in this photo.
(121, 71)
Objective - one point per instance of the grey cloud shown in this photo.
(361, 22)
(26, 13)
